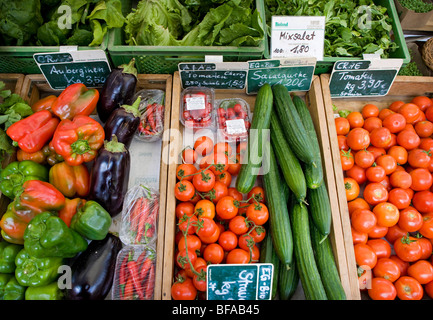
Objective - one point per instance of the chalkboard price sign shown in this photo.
(363, 78)
(62, 69)
(240, 282)
(294, 74)
(218, 75)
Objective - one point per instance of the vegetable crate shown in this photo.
(404, 89)
(314, 102)
(411, 20)
(402, 51)
(36, 87)
(165, 59)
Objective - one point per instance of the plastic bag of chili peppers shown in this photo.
(151, 114)
(139, 218)
(134, 277)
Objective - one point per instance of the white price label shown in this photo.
(195, 103)
(236, 126)
(298, 36)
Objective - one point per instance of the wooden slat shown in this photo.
(315, 104)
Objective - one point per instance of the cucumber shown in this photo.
(288, 281)
(259, 126)
(279, 220)
(320, 209)
(326, 263)
(268, 255)
(304, 255)
(296, 134)
(289, 163)
(313, 173)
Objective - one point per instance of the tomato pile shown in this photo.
(387, 160)
(216, 223)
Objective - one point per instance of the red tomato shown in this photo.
(184, 190)
(183, 289)
(205, 227)
(358, 138)
(224, 177)
(424, 128)
(387, 162)
(184, 208)
(199, 281)
(220, 163)
(213, 253)
(410, 111)
(183, 258)
(396, 105)
(394, 233)
(400, 179)
(228, 240)
(355, 119)
(377, 152)
(375, 193)
(386, 213)
(369, 110)
(380, 137)
(192, 241)
(402, 265)
(423, 201)
(421, 179)
(342, 143)
(381, 247)
(408, 139)
(187, 224)
(223, 147)
(357, 173)
(218, 191)
(422, 102)
(395, 122)
(382, 289)
(238, 225)
(418, 158)
(426, 248)
(363, 220)
(204, 181)
(426, 228)
(363, 158)
(372, 123)
(400, 198)
(189, 156)
(365, 256)
(408, 288)
(203, 145)
(342, 126)
(232, 192)
(257, 193)
(407, 248)
(378, 232)
(422, 271)
(384, 113)
(359, 237)
(358, 203)
(352, 188)
(375, 173)
(226, 208)
(410, 219)
(429, 289)
(238, 256)
(386, 268)
(258, 213)
(399, 153)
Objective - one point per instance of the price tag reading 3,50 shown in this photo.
(298, 37)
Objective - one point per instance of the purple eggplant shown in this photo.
(123, 123)
(93, 270)
(109, 176)
(118, 89)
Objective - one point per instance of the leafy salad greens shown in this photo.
(194, 23)
(352, 28)
(36, 22)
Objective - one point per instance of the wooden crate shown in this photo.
(36, 87)
(315, 104)
(404, 88)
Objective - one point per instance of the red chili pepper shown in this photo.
(123, 276)
(151, 116)
(150, 284)
(142, 222)
(134, 216)
(144, 270)
(129, 290)
(151, 219)
(133, 269)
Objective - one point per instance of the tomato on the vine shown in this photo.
(191, 241)
(185, 171)
(184, 190)
(204, 180)
(238, 256)
(183, 289)
(226, 208)
(258, 213)
(213, 253)
(204, 209)
(224, 177)
(257, 193)
(203, 145)
(228, 240)
(199, 280)
(184, 208)
(238, 225)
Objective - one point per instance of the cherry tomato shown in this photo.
(369, 110)
(183, 257)
(245, 241)
(225, 178)
(347, 159)
(184, 208)
(365, 256)
(233, 192)
(394, 122)
(407, 248)
(355, 119)
(363, 220)
(238, 225)
(422, 179)
(258, 233)
(204, 209)
(382, 289)
(380, 137)
(426, 228)
(199, 281)
(410, 219)
(212, 238)
(423, 201)
(422, 271)
(238, 256)
(218, 191)
(203, 145)
(220, 163)
(381, 247)
(183, 289)
(342, 126)
(228, 240)
(184, 190)
(386, 268)
(418, 158)
(408, 139)
(352, 188)
(399, 153)
(192, 242)
(257, 193)
(258, 213)
(358, 138)
(364, 158)
(189, 156)
(204, 180)
(187, 224)
(408, 288)
(235, 166)
(374, 193)
(213, 253)
(399, 197)
(205, 227)
(400, 179)
(185, 171)
(386, 213)
(226, 208)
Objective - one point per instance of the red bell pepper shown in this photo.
(76, 99)
(44, 103)
(35, 197)
(34, 131)
(70, 209)
(70, 180)
(78, 140)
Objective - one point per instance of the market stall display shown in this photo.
(385, 202)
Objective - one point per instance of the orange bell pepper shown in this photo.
(70, 180)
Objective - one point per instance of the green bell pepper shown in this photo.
(48, 236)
(10, 289)
(8, 252)
(16, 173)
(33, 272)
(92, 221)
(49, 292)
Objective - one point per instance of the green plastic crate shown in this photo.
(402, 52)
(165, 59)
